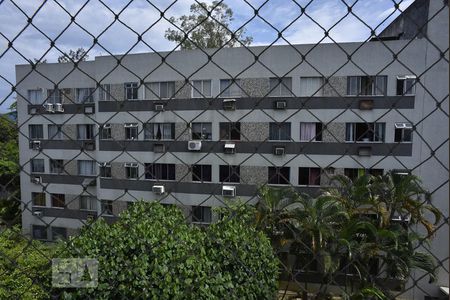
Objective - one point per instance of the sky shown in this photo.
(51, 20)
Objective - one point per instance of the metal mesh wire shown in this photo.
(430, 155)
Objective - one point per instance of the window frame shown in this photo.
(42, 196)
(52, 166)
(231, 127)
(105, 128)
(36, 100)
(162, 127)
(57, 197)
(91, 203)
(32, 166)
(205, 214)
(89, 132)
(59, 136)
(202, 132)
(279, 176)
(404, 80)
(93, 167)
(39, 128)
(351, 131)
(203, 169)
(272, 128)
(104, 92)
(276, 90)
(202, 93)
(232, 171)
(54, 97)
(109, 205)
(132, 88)
(155, 172)
(130, 128)
(157, 95)
(41, 227)
(88, 99)
(319, 132)
(226, 92)
(314, 184)
(317, 93)
(131, 169)
(362, 90)
(105, 166)
(403, 127)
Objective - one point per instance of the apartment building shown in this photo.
(199, 128)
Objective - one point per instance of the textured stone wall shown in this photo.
(254, 175)
(255, 87)
(254, 131)
(182, 173)
(70, 167)
(182, 132)
(117, 170)
(68, 96)
(118, 207)
(336, 86)
(334, 133)
(117, 132)
(72, 201)
(69, 131)
(182, 89)
(117, 92)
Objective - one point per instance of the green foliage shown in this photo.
(199, 30)
(152, 253)
(24, 267)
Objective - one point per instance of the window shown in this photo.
(107, 207)
(84, 95)
(35, 96)
(162, 90)
(279, 175)
(56, 166)
(131, 91)
(105, 132)
(54, 132)
(39, 232)
(37, 165)
(86, 168)
(280, 131)
(53, 96)
(406, 85)
(281, 87)
(366, 85)
(160, 171)
(201, 173)
(105, 170)
(375, 172)
(88, 203)
(310, 131)
(230, 131)
(201, 88)
(59, 233)
(85, 132)
(403, 133)
(36, 132)
(159, 131)
(201, 214)
(365, 132)
(131, 131)
(131, 170)
(309, 176)
(228, 88)
(104, 92)
(311, 86)
(201, 131)
(229, 173)
(58, 200)
(354, 173)
(38, 199)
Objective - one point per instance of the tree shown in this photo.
(78, 55)
(151, 252)
(208, 26)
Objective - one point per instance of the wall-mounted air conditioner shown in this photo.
(58, 107)
(229, 148)
(194, 145)
(159, 107)
(35, 145)
(278, 150)
(158, 189)
(49, 107)
(228, 191)
(88, 110)
(37, 213)
(36, 179)
(229, 104)
(280, 104)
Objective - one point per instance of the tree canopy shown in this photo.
(74, 55)
(208, 26)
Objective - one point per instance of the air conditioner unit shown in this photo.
(278, 151)
(229, 104)
(33, 111)
(229, 148)
(194, 145)
(280, 104)
(37, 213)
(89, 145)
(159, 107)
(158, 189)
(89, 110)
(35, 145)
(58, 107)
(36, 179)
(48, 107)
(228, 191)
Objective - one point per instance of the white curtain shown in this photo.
(310, 86)
(82, 132)
(86, 167)
(307, 131)
(35, 96)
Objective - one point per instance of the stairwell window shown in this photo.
(131, 131)
(131, 91)
(366, 85)
(280, 87)
(201, 89)
(310, 132)
(406, 85)
(159, 131)
(230, 88)
(403, 133)
(365, 132)
(131, 170)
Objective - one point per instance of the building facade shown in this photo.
(198, 128)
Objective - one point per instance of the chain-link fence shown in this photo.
(299, 149)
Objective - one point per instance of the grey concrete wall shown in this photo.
(334, 133)
(182, 132)
(336, 86)
(117, 170)
(117, 92)
(118, 207)
(255, 87)
(118, 132)
(254, 131)
(182, 173)
(254, 175)
(69, 131)
(71, 167)
(182, 90)
(72, 201)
